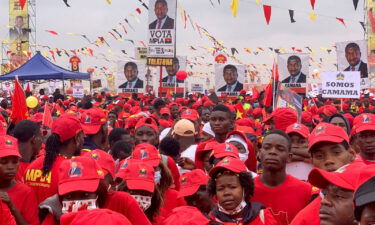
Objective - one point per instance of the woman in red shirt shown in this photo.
(232, 185)
(81, 187)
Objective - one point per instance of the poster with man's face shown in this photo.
(352, 56)
(131, 77)
(229, 78)
(293, 69)
(169, 78)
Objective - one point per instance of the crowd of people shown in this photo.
(199, 160)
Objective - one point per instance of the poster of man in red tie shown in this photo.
(352, 56)
(229, 78)
(130, 76)
(161, 32)
(293, 69)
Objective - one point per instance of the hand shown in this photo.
(5, 198)
(186, 163)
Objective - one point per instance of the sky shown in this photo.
(247, 30)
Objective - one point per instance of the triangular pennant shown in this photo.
(267, 13)
(363, 26)
(341, 20)
(291, 14)
(355, 3)
(234, 7)
(312, 2)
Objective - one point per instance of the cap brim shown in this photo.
(298, 132)
(6, 153)
(90, 185)
(321, 179)
(364, 127)
(333, 139)
(216, 169)
(365, 199)
(187, 191)
(140, 184)
(90, 129)
(225, 154)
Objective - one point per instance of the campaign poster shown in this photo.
(197, 88)
(341, 84)
(314, 89)
(131, 77)
(161, 32)
(352, 56)
(287, 98)
(371, 37)
(293, 69)
(18, 32)
(141, 54)
(229, 78)
(169, 78)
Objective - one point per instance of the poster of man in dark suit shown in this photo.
(18, 32)
(294, 66)
(163, 21)
(131, 75)
(170, 79)
(353, 56)
(230, 75)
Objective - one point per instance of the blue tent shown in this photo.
(39, 68)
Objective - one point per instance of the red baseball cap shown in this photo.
(327, 110)
(148, 122)
(345, 177)
(37, 117)
(92, 119)
(245, 122)
(94, 217)
(228, 163)
(299, 129)
(306, 116)
(147, 152)
(282, 117)
(66, 126)
(104, 160)
(79, 174)
(223, 150)
(139, 175)
(165, 110)
(186, 215)
(190, 114)
(191, 181)
(364, 121)
(8, 146)
(327, 132)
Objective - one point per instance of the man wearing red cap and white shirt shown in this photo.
(65, 142)
(330, 150)
(338, 187)
(20, 198)
(95, 128)
(300, 166)
(364, 129)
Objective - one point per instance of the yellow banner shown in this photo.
(19, 32)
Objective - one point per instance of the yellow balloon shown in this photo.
(31, 102)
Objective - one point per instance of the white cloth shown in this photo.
(239, 139)
(207, 128)
(299, 170)
(188, 153)
(164, 133)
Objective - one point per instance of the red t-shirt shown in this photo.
(20, 176)
(175, 174)
(44, 186)
(23, 197)
(125, 204)
(171, 201)
(6, 217)
(309, 215)
(286, 200)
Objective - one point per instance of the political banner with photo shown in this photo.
(130, 77)
(169, 77)
(161, 32)
(341, 84)
(352, 56)
(197, 88)
(314, 89)
(19, 32)
(293, 69)
(290, 99)
(229, 78)
(141, 54)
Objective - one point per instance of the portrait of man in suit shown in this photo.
(294, 66)
(230, 75)
(131, 75)
(353, 56)
(75, 170)
(19, 33)
(163, 21)
(171, 78)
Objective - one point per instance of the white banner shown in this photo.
(78, 90)
(197, 88)
(341, 84)
(161, 33)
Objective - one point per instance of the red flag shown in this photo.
(169, 96)
(47, 116)
(312, 4)
(255, 94)
(53, 55)
(267, 12)
(52, 32)
(268, 94)
(341, 20)
(22, 3)
(138, 10)
(275, 72)
(59, 110)
(240, 112)
(28, 87)
(19, 108)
